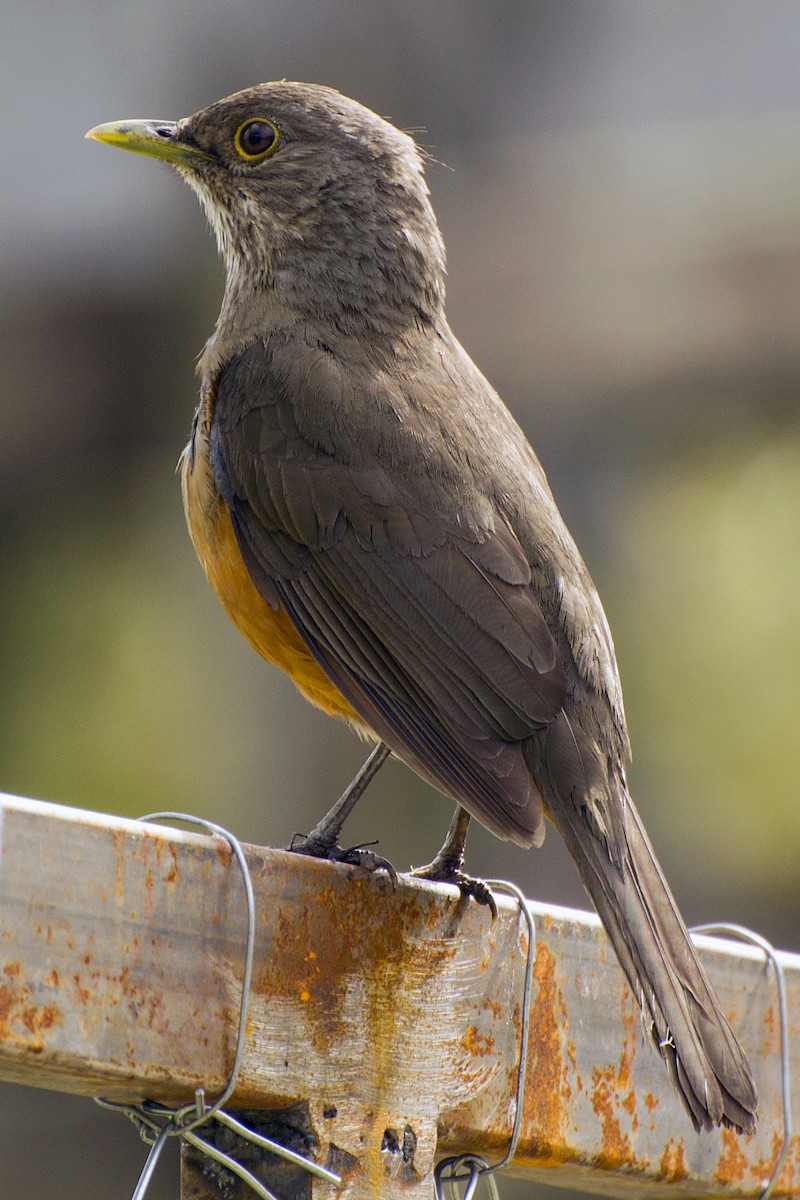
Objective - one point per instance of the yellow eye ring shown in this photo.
(256, 138)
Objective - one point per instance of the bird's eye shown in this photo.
(255, 139)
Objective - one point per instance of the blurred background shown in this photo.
(620, 198)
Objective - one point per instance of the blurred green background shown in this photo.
(620, 198)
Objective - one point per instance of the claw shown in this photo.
(446, 867)
(360, 856)
(355, 856)
(440, 872)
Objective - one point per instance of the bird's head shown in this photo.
(310, 195)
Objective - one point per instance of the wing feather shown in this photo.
(417, 604)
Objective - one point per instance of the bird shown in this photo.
(376, 524)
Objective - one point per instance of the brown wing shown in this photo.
(408, 587)
(413, 592)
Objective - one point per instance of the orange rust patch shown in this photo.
(36, 1019)
(12, 969)
(6, 1004)
(477, 1043)
(320, 942)
(546, 1081)
(17, 1014)
(612, 1089)
(630, 1023)
(573, 1062)
(170, 850)
(651, 1101)
(732, 1163)
(769, 1018)
(672, 1164)
(52, 979)
(763, 1167)
(118, 841)
(84, 993)
(617, 1149)
(772, 1035)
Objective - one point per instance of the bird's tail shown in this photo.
(605, 836)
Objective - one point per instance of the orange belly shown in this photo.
(269, 631)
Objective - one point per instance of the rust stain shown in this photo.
(149, 897)
(630, 1023)
(12, 969)
(322, 940)
(545, 1082)
(613, 1089)
(222, 851)
(786, 1179)
(403, 965)
(672, 1164)
(84, 993)
(769, 1019)
(732, 1163)
(119, 841)
(617, 1149)
(762, 1168)
(6, 1004)
(18, 1014)
(36, 1020)
(772, 1034)
(572, 1058)
(169, 849)
(476, 1043)
(651, 1104)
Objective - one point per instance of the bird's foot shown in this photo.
(442, 871)
(356, 856)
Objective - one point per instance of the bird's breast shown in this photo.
(268, 630)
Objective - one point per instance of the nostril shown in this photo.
(164, 131)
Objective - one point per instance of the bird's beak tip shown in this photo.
(115, 132)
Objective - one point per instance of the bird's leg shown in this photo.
(448, 863)
(323, 840)
(326, 832)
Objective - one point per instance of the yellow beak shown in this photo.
(155, 138)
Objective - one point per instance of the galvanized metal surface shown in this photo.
(392, 1018)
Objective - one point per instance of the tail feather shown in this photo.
(605, 836)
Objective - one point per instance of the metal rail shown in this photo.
(389, 1020)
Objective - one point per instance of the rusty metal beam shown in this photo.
(389, 1020)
